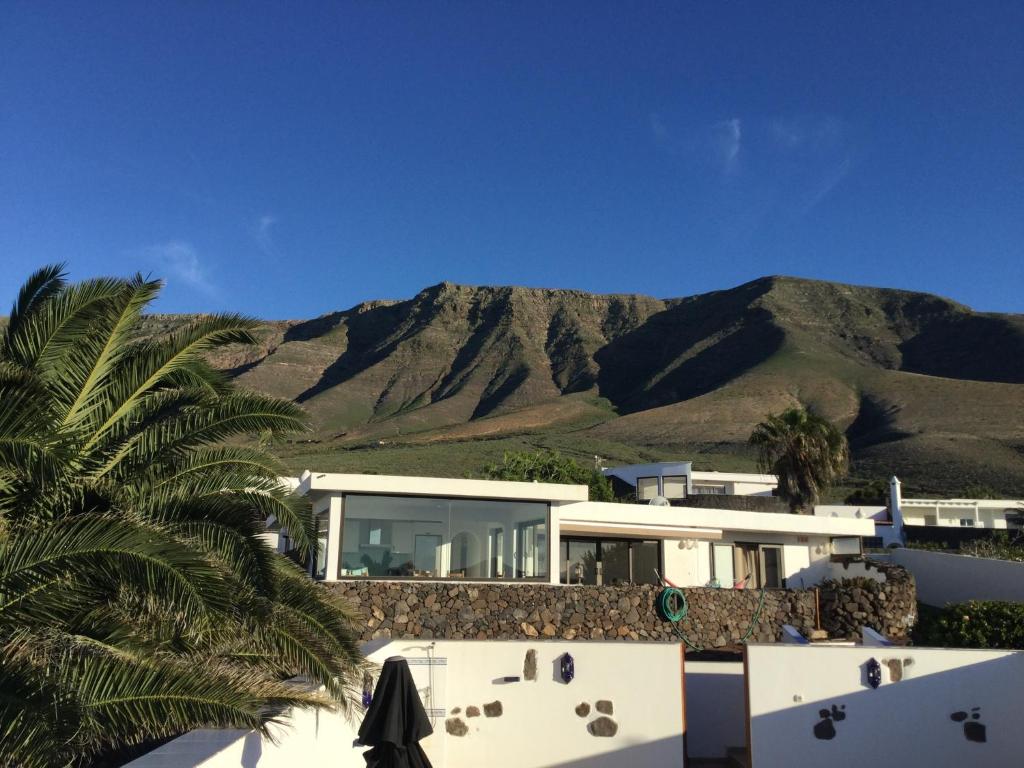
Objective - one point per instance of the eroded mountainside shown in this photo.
(443, 382)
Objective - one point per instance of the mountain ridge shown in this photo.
(926, 387)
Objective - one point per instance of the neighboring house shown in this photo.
(954, 520)
(885, 535)
(676, 480)
(386, 527)
(951, 521)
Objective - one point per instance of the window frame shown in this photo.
(657, 483)
(715, 545)
(686, 485)
(762, 569)
(457, 579)
(597, 541)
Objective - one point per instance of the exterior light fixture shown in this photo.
(567, 668)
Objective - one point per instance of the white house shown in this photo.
(377, 526)
(939, 520)
(678, 480)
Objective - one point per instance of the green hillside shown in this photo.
(444, 382)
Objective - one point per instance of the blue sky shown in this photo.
(289, 159)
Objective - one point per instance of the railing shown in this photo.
(733, 502)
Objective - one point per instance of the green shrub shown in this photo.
(999, 546)
(550, 467)
(930, 546)
(975, 624)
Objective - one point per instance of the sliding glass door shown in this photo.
(609, 561)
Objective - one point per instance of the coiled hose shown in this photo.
(673, 608)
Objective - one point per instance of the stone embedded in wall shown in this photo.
(603, 726)
(583, 709)
(530, 665)
(605, 707)
(895, 669)
(717, 618)
(456, 710)
(455, 726)
(494, 709)
(472, 711)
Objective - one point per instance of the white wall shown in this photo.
(751, 489)
(686, 567)
(905, 723)
(823, 569)
(538, 726)
(715, 708)
(943, 578)
(858, 512)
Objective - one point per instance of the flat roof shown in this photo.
(681, 518)
(400, 485)
(735, 477)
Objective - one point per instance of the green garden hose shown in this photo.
(676, 614)
(673, 607)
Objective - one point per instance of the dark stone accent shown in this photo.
(494, 709)
(472, 711)
(603, 726)
(530, 665)
(718, 618)
(605, 707)
(583, 709)
(456, 710)
(895, 669)
(455, 726)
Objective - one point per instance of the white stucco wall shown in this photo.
(716, 711)
(944, 578)
(686, 567)
(905, 723)
(538, 726)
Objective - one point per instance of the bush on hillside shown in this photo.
(550, 467)
(975, 624)
(999, 547)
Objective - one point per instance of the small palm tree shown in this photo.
(137, 598)
(806, 452)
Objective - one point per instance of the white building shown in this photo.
(376, 526)
(940, 520)
(678, 480)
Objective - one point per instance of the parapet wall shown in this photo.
(717, 618)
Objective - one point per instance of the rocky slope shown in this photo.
(926, 388)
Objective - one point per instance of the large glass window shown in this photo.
(321, 545)
(674, 486)
(723, 565)
(609, 561)
(646, 488)
(418, 537)
(705, 489)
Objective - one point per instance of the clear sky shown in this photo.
(289, 159)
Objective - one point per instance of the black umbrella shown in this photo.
(395, 721)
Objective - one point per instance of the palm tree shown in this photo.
(137, 599)
(806, 452)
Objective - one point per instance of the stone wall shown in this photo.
(888, 606)
(717, 618)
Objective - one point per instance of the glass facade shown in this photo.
(322, 526)
(432, 538)
(609, 561)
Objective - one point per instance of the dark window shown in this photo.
(609, 561)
